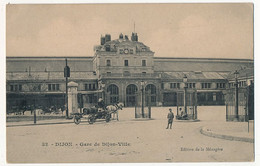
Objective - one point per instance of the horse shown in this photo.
(114, 109)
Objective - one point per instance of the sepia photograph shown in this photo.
(130, 83)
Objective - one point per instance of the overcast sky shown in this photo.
(170, 30)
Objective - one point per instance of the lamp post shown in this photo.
(66, 75)
(103, 90)
(185, 80)
(142, 84)
(236, 91)
(34, 112)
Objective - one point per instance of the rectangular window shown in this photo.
(90, 86)
(162, 85)
(108, 73)
(221, 85)
(53, 87)
(175, 85)
(57, 86)
(20, 87)
(108, 62)
(17, 87)
(143, 73)
(205, 85)
(131, 51)
(126, 73)
(191, 85)
(121, 51)
(143, 62)
(126, 62)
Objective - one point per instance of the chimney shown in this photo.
(102, 40)
(107, 37)
(134, 37)
(121, 36)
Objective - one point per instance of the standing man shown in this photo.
(170, 118)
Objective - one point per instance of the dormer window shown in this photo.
(107, 47)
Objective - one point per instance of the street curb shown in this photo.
(39, 124)
(196, 120)
(142, 119)
(208, 132)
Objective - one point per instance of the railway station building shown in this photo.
(118, 71)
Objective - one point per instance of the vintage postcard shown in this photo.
(129, 83)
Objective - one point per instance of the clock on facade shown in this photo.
(126, 51)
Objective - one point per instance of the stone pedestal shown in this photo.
(72, 97)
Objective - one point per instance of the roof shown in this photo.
(48, 76)
(195, 75)
(161, 64)
(242, 73)
(114, 44)
(41, 64)
(189, 64)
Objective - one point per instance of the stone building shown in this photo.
(115, 72)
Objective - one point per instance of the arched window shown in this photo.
(151, 88)
(131, 89)
(131, 95)
(113, 93)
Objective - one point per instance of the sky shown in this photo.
(170, 30)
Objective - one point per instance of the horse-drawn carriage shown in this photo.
(94, 113)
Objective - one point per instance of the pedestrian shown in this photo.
(170, 118)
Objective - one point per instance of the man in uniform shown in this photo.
(101, 103)
(170, 118)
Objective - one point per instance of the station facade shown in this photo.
(118, 72)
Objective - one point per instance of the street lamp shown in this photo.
(66, 75)
(103, 90)
(142, 84)
(236, 73)
(185, 80)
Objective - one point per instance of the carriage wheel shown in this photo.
(108, 118)
(91, 119)
(77, 120)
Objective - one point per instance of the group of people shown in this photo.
(170, 116)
